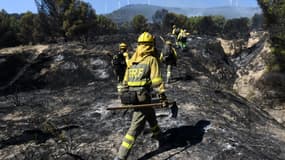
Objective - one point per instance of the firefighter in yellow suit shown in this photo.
(123, 48)
(120, 62)
(141, 77)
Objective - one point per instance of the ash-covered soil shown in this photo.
(62, 113)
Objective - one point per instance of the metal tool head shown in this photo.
(174, 110)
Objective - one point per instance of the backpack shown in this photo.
(118, 60)
(177, 31)
(168, 55)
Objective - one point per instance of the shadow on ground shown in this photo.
(36, 135)
(183, 136)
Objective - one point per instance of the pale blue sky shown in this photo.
(107, 6)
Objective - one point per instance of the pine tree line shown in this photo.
(66, 20)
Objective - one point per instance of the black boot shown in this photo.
(161, 139)
(162, 142)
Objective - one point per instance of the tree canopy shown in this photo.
(274, 13)
(139, 23)
(77, 20)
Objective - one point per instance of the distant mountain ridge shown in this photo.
(126, 13)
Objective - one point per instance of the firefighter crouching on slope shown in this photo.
(120, 62)
(141, 77)
(168, 56)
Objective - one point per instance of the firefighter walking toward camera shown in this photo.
(120, 62)
(141, 77)
(168, 56)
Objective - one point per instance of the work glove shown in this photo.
(163, 100)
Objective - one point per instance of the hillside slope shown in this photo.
(254, 82)
(127, 13)
(70, 120)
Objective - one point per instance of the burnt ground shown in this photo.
(65, 117)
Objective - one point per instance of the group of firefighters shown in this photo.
(138, 77)
(180, 36)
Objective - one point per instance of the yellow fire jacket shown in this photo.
(144, 69)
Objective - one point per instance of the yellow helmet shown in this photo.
(123, 46)
(145, 37)
(168, 42)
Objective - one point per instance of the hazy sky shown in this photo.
(106, 6)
